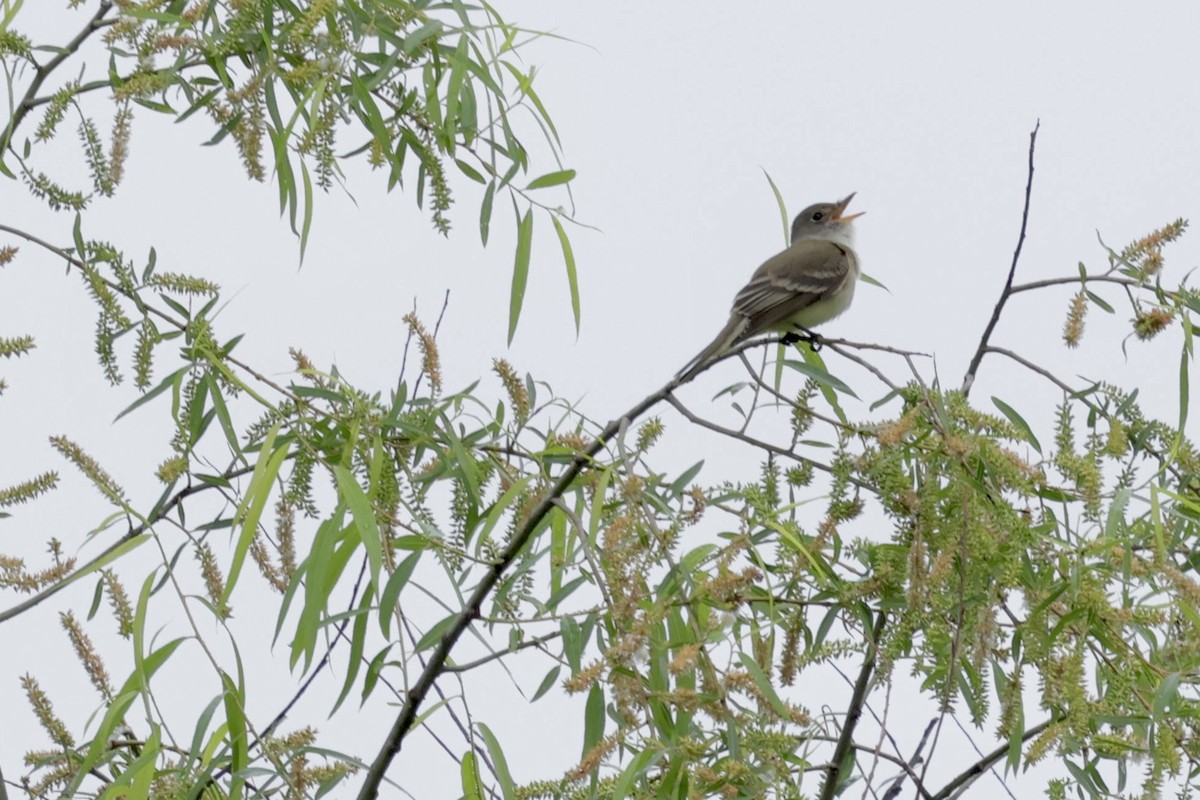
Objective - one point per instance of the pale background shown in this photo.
(670, 112)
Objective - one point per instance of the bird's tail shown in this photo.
(728, 336)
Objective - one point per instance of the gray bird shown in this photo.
(806, 285)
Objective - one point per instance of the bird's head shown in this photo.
(826, 221)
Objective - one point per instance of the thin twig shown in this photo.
(883, 348)
(1026, 287)
(750, 440)
(106, 554)
(149, 309)
(894, 791)
(866, 748)
(967, 734)
(833, 778)
(969, 378)
(479, 662)
(1045, 373)
(964, 778)
(42, 72)
(867, 365)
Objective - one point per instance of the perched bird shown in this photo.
(807, 284)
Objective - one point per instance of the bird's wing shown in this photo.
(807, 272)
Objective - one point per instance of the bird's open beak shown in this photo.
(841, 207)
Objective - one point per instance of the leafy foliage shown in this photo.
(1039, 584)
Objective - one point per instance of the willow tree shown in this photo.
(1037, 584)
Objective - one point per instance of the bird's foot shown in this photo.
(802, 335)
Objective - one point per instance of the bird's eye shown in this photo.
(818, 216)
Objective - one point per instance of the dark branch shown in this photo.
(910, 767)
(969, 378)
(982, 765)
(833, 779)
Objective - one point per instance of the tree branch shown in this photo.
(975, 770)
(833, 778)
(148, 309)
(41, 73)
(438, 658)
(99, 560)
(969, 378)
(1025, 287)
(479, 662)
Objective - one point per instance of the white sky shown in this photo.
(669, 111)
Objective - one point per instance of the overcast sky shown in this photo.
(670, 112)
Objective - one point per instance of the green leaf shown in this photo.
(507, 788)
(867, 279)
(357, 642)
(391, 593)
(783, 215)
(469, 772)
(552, 179)
(251, 508)
(420, 35)
(1098, 300)
(364, 519)
(306, 226)
(520, 272)
(764, 685)
(485, 212)
(1019, 422)
(319, 572)
(454, 87)
(593, 718)
(1183, 388)
(820, 375)
(569, 260)
(546, 684)
(636, 769)
(1167, 695)
(683, 480)
(526, 84)
(235, 715)
(434, 634)
(573, 642)
(163, 385)
(1115, 522)
(469, 171)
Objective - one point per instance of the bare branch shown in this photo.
(964, 778)
(1025, 287)
(969, 378)
(479, 662)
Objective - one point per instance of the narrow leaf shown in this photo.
(569, 260)
(1019, 422)
(507, 788)
(551, 179)
(520, 272)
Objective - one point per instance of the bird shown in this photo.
(808, 284)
